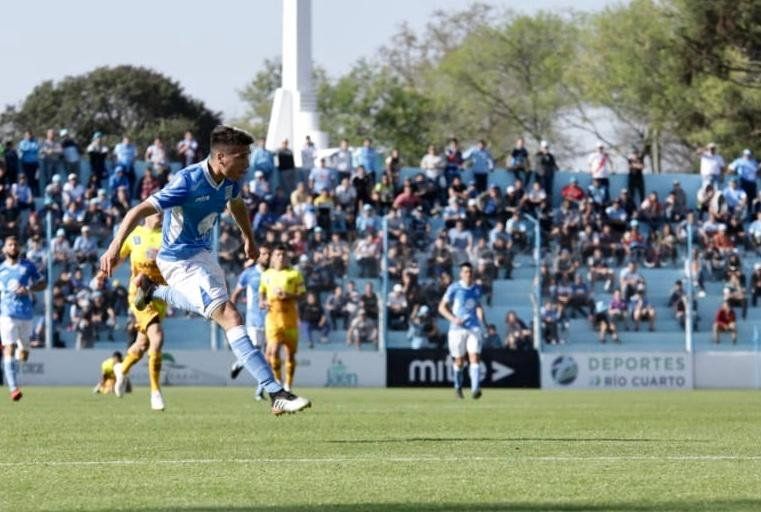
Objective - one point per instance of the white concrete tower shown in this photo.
(294, 108)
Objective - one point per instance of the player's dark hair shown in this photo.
(279, 247)
(466, 265)
(117, 355)
(223, 135)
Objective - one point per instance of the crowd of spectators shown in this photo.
(330, 212)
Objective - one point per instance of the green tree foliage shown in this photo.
(123, 100)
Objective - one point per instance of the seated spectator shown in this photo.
(362, 329)
(86, 248)
(102, 315)
(734, 294)
(367, 255)
(338, 252)
(725, 321)
(313, 317)
(618, 309)
(72, 191)
(550, 317)
(491, 338)
(603, 323)
(337, 308)
(629, 280)
(651, 211)
(519, 336)
(407, 199)
(598, 194)
(62, 252)
(599, 270)
(368, 301)
(754, 233)
(368, 222)
(22, 193)
(10, 218)
(484, 277)
(642, 309)
(581, 298)
(422, 332)
(755, 283)
(572, 192)
(397, 309)
(460, 240)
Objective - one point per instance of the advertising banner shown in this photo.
(205, 368)
(727, 370)
(610, 370)
(426, 368)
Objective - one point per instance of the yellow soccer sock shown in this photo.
(275, 364)
(154, 369)
(290, 370)
(129, 361)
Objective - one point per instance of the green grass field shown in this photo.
(382, 450)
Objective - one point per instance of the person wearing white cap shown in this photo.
(746, 168)
(600, 167)
(711, 165)
(72, 191)
(61, 248)
(86, 248)
(546, 167)
(397, 308)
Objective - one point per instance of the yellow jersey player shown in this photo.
(279, 291)
(107, 379)
(141, 247)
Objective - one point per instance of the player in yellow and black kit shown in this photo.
(280, 289)
(141, 247)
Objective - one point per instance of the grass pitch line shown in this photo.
(342, 460)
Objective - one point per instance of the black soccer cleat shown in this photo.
(476, 394)
(235, 370)
(458, 393)
(144, 294)
(285, 402)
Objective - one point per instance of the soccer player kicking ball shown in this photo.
(466, 321)
(141, 247)
(280, 289)
(18, 279)
(192, 203)
(255, 315)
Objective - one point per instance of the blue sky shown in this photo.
(212, 54)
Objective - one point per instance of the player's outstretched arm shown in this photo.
(110, 258)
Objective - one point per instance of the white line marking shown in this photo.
(342, 460)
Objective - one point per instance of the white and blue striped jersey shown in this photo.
(191, 203)
(12, 304)
(250, 279)
(465, 300)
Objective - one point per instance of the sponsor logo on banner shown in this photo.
(498, 368)
(631, 370)
(339, 375)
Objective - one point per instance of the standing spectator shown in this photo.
(187, 149)
(22, 193)
(600, 167)
(97, 151)
(11, 163)
(51, 153)
(454, 160)
(546, 167)
(432, 165)
(367, 158)
(550, 317)
(746, 169)
(148, 184)
(342, 161)
(156, 155)
(29, 152)
(635, 181)
(313, 316)
(518, 162)
(321, 178)
(263, 160)
(711, 165)
(725, 321)
(72, 154)
(125, 154)
(286, 168)
(393, 164)
(369, 301)
(481, 163)
(308, 154)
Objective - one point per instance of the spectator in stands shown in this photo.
(369, 301)
(734, 294)
(367, 255)
(29, 153)
(22, 193)
(382, 195)
(630, 280)
(51, 154)
(72, 154)
(156, 155)
(581, 298)
(363, 183)
(119, 179)
(308, 154)
(550, 317)
(725, 321)
(125, 154)
(711, 165)
(397, 309)
(62, 252)
(546, 167)
(454, 160)
(86, 248)
(314, 319)
(362, 329)
(603, 323)
(98, 152)
(11, 168)
(599, 270)
(407, 199)
(635, 179)
(342, 161)
(460, 241)
(368, 222)
(642, 310)
(321, 178)
(676, 203)
(491, 338)
(102, 316)
(337, 308)
(572, 192)
(755, 283)
(148, 184)
(73, 191)
(598, 193)
(187, 149)
(286, 167)
(481, 163)
(618, 309)
(518, 162)
(746, 169)
(367, 158)
(10, 217)
(519, 335)
(736, 199)
(651, 211)
(432, 164)
(601, 166)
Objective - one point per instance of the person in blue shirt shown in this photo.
(461, 305)
(192, 203)
(367, 157)
(119, 179)
(481, 163)
(18, 279)
(248, 282)
(746, 168)
(126, 154)
(29, 152)
(263, 160)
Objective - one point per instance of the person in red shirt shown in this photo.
(573, 192)
(406, 200)
(725, 321)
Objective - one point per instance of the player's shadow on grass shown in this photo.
(674, 506)
(511, 439)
